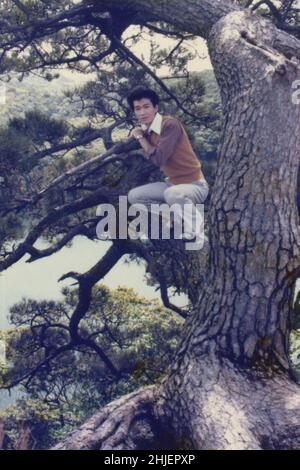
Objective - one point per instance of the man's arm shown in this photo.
(169, 138)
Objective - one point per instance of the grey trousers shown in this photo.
(164, 191)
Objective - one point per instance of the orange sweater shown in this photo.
(182, 166)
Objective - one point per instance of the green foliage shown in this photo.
(138, 335)
(13, 145)
(39, 127)
(41, 418)
(21, 138)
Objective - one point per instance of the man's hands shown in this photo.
(137, 133)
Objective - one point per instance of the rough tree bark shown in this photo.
(230, 384)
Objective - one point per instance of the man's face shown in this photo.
(144, 111)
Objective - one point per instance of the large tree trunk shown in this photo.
(230, 384)
(255, 237)
(232, 369)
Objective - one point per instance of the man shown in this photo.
(166, 144)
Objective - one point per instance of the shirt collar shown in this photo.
(155, 124)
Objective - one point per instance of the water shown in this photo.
(39, 280)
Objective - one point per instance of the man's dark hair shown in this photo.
(140, 93)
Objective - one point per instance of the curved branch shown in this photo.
(53, 216)
(80, 229)
(165, 296)
(275, 12)
(86, 282)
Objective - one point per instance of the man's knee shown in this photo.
(172, 195)
(136, 195)
(132, 196)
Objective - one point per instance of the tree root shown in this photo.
(127, 423)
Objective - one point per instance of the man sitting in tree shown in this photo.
(166, 144)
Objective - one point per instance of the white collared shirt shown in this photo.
(155, 125)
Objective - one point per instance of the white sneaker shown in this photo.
(191, 236)
(187, 236)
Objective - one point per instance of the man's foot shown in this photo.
(192, 237)
(187, 237)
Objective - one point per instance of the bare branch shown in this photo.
(80, 229)
(53, 216)
(165, 296)
(166, 32)
(275, 12)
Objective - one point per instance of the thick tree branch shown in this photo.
(41, 27)
(196, 17)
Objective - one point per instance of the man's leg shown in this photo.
(148, 194)
(191, 194)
